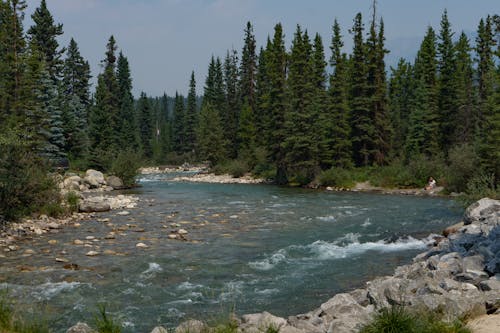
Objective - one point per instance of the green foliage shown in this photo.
(462, 165)
(125, 166)
(479, 186)
(398, 319)
(25, 185)
(337, 177)
(237, 168)
(104, 323)
(14, 321)
(396, 174)
(422, 167)
(72, 200)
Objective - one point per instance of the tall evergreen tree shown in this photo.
(179, 124)
(299, 145)
(465, 93)
(43, 35)
(104, 122)
(232, 108)
(210, 135)
(276, 71)
(127, 126)
(76, 101)
(335, 145)
(145, 116)
(363, 129)
(425, 122)
(262, 114)
(446, 84)
(191, 118)
(248, 69)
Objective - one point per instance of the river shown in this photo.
(249, 248)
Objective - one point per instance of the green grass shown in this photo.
(104, 323)
(12, 321)
(398, 319)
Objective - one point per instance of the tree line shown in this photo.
(285, 114)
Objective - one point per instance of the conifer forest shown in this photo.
(281, 112)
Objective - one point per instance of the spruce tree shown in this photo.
(210, 135)
(248, 69)
(43, 35)
(179, 124)
(232, 108)
(299, 145)
(425, 103)
(335, 144)
(446, 84)
(191, 118)
(76, 101)
(363, 129)
(145, 116)
(127, 124)
(276, 72)
(465, 93)
(262, 116)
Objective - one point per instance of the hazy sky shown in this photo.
(165, 40)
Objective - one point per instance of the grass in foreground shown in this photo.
(398, 319)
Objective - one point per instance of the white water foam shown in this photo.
(151, 271)
(49, 290)
(329, 218)
(322, 250)
(366, 223)
(188, 286)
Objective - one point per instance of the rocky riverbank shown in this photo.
(89, 191)
(458, 277)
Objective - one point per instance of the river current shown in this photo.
(249, 248)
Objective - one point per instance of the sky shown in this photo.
(164, 40)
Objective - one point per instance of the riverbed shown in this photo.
(248, 248)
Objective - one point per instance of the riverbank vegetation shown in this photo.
(286, 114)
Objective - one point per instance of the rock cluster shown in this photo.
(93, 181)
(459, 276)
(218, 179)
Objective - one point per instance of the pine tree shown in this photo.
(43, 35)
(145, 115)
(248, 69)
(12, 52)
(299, 145)
(104, 122)
(48, 100)
(425, 103)
(262, 114)
(76, 101)
(363, 129)
(400, 97)
(232, 108)
(335, 145)
(191, 119)
(465, 93)
(127, 125)
(210, 135)
(446, 84)
(276, 72)
(178, 126)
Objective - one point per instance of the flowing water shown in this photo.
(250, 248)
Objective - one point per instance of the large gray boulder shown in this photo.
(115, 182)
(94, 178)
(191, 326)
(481, 209)
(80, 328)
(159, 329)
(94, 204)
(72, 183)
(260, 322)
(345, 314)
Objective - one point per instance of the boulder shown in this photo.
(80, 328)
(94, 204)
(480, 209)
(191, 326)
(159, 329)
(345, 314)
(72, 183)
(115, 182)
(94, 178)
(260, 322)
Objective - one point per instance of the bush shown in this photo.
(480, 186)
(25, 184)
(422, 167)
(125, 166)
(399, 319)
(394, 175)
(237, 168)
(337, 177)
(12, 322)
(463, 163)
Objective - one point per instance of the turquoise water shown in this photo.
(250, 248)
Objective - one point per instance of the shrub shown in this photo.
(480, 186)
(337, 177)
(104, 323)
(125, 166)
(394, 175)
(12, 322)
(463, 163)
(422, 167)
(237, 168)
(72, 200)
(25, 185)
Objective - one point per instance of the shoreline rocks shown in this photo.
(218, 179)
